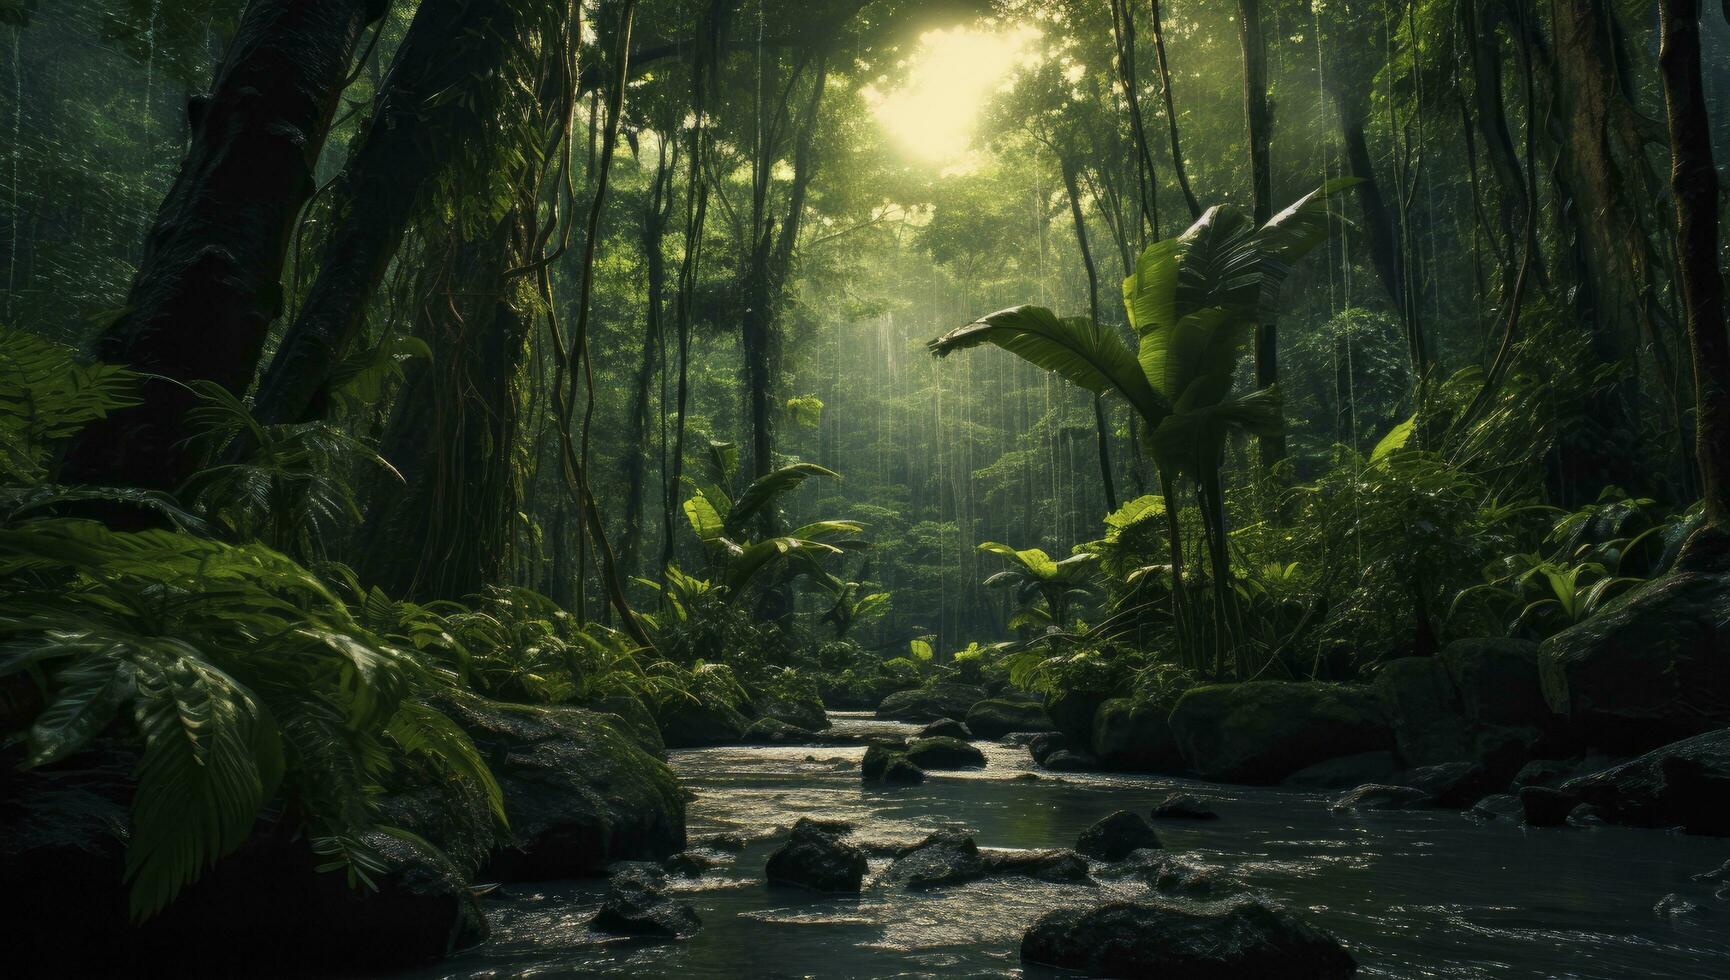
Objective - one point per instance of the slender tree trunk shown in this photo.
(1694, 184)
(438, 103)
(1166, 96)
(1257, 123)
(655, 218)
(1102, 435)
(208, 287)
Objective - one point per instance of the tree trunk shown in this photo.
(209, 285)
(1102, 436)
(1171, 115)
(438, 103)
(655, 218)
(1694, 184)
(1256, 124)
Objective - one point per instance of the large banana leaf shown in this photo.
(753, 558)
(1205, 342)
(1035, 561)
(1076, 349)
(705, 520)
(765, 490)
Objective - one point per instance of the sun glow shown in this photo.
(932, 110)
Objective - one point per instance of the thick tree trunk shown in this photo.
(1694, 184)
(209, 287)
(1257, 122)
(433, 109)
(444, 533)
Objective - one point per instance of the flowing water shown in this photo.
(1414, 894)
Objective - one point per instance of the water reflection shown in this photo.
(1415, 894)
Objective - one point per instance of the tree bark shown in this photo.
(1101, 435)
(1694, 184)
(432, 109)
(655, 218)
(1165, 95)
(209, 285)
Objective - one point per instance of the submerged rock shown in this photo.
(1496, 806)
(637, 905)
(1260, 732)
(997, 717)
(1451, 785)
(1655, 664)
(1070, 760)
(1674, 906)
(1242, 938)
(1182, 806)
(931, 703)
(1057, 865)
(947, 857)
(946, 727)
(1379, 797)
(1112, 838)
(1135, 736)
(940, 752)
(816, 857)
(1684, 784)
(1187, 878)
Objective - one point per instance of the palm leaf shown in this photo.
(765, 490)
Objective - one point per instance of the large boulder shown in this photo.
(1172, 941)
(997, 717)
(579, 793)
(1655, 665)
(1135, 736)
(1114, 837)
(817, 857)
(947, 857)
(887, 763)
(794, 708)
(940, 752)
(947, 727)
(1423, 707)
(63, 839)
(1496, 680)
(690, 723)
(1684, 784)
(636, 720)
(1263, 731)
(1071, 712)
(931, 703)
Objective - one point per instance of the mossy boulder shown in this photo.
(793, 708)
(948, 727)
(931, 703)
(689, 723)
(940, 752)
(773, 731)
(1260, 732)
(1132, 735)
(1071, 712)
(579, 792)
(1114, 837)
(1655, 665)
(1684, 784)
(817, 856)
(1422, 705)
(636, 718)
(997, 717)
(850, 691)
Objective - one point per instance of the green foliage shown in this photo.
(243, 676)
(47, 394)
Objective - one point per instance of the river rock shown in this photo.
(1260, 732)
(1057, 865)
(946, 727)
(940, 752)
(880, 758)
(1378, 797)
(931, 703)
(804, 711)
(689, 864)
(1112, 838)
(1043, 744)
(1182, 806)
(1346, 771)
(1451, 785)
(947, 857)
(1544, 772)
(688, 723)
(1241, 938)
(1070, 760)
(636, 905)
(1185, 877)
(997, 717)
(580, 794)
(1684, 784)
(1496, 806)
(773, 731)
(816, 857)
(1130, 735)
(637, 721)
(1655, 665)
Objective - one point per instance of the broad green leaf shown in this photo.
(704, 520)
(1395, 440)
(920, 649)
(765, 490)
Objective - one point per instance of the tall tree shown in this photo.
(208, 288)
(1694, 184)
(1257, 123)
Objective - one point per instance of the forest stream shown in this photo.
(1425, 893)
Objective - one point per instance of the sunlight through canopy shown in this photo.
(932, 110)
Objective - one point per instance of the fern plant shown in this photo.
(242, 679)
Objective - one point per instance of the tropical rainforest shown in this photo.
(849, 488)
